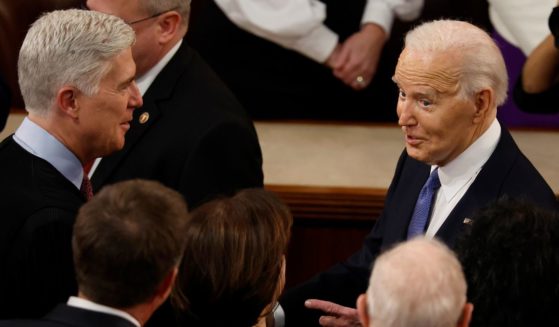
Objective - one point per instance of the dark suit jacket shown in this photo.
(38, 209)
(507, 171)
(197, 140)
(64, 315)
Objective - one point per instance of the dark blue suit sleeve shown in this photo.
(343, 282)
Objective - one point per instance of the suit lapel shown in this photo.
(161, 89)
(405, 198)
(487, 187)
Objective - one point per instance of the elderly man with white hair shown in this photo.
(458, 158)
(417, 283)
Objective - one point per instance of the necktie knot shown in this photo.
(433, 182)
(423, 206)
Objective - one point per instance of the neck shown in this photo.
(141, 312)
(60, 130)
(261, 322)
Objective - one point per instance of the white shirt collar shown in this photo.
(457, 173)
(144, 81)
(82, 303)
(39, 142)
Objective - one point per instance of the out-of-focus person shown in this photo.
(127, 245)
(511, 263)
(233, 270)
(417, 283)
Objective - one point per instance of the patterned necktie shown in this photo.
(423, 205)
(85, 189)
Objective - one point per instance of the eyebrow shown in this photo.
(128, 81)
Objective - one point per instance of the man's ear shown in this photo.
(362, 311)
(164, 289)
(466, 316)
(66, 101)
(483, 104)
(168, 25)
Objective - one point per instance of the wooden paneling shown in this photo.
(330, 224)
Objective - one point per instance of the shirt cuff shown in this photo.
(317, 45)
(380, 13)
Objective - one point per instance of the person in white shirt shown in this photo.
(522, 23)
(417, 283)
(301, 59)
(300, 25)
(127, 244)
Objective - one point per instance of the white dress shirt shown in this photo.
(37, 141)
(85, 304)
(458, 175)
(299, 24)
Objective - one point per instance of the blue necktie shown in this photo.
(423, 205)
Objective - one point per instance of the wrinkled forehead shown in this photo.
(440, 71)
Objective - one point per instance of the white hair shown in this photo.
(68, 47)
(152, 7)
(482, 63)
(418, 283)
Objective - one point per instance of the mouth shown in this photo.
(413, 140)
(125, 126)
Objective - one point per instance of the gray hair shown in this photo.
(152, 7)
(68, 47)
(418, 283)
(483, 65)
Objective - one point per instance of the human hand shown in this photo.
(357, 60)
(336, 315)
(333, 58)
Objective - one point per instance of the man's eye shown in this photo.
(425, 103)
(402, 94)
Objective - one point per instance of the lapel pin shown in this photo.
(467, 221)
(144, 117)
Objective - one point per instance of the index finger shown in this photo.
(328, 307)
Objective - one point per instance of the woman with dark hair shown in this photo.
(511, 263)
(233, 269)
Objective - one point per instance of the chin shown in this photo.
(419, 156)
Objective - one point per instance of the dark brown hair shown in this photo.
(126, 240)
(233, 260)
(511, 262)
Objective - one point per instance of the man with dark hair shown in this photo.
(128, 242)
(233, 270)
(511, 264)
